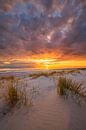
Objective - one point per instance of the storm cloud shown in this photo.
(32, 26)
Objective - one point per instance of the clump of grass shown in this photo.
(82, 68)
(34, 76)
(45, 74)
(73, 71)
(7, 78)
(61, 85)
(23, 97)
(60, 73)
(65, 85)
(37, 75)
(12, 96)
(15, 95)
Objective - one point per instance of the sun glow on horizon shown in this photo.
(45, 61)
(56, 64)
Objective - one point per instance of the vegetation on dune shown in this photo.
(7, 78)
(65, 85)
(15, 91)
(82, 68)
(14, 94)
(58, 73)
(73, 71)
(37, 75)
(45, 74)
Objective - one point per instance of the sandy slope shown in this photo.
(49, 111)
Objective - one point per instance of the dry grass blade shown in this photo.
(14, 94)
(65, 84)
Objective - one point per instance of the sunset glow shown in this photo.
(44, 34)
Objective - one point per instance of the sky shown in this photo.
(42, 34)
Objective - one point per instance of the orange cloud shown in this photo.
(46, 61)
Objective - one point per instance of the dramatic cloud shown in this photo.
(33, 27)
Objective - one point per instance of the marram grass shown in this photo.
(14, 94)
(66, 84)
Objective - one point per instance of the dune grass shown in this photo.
(37, 75)
(7, 78)
(14, 94)
(73, 71)
(65, 85)
(52, 73)
(45, 74)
